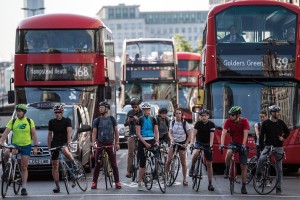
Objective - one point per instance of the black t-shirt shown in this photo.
(59, 129)
(203, 131)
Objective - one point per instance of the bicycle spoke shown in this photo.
(199, 175)
(161, 178)
(17, 180)
(65, 175)
(6, 179)
(268, 180)
(148, 175)
(80, 176)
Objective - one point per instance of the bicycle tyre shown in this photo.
(195, 177)
(110, 175)
(6, 179)
(65, 176)
(163, 153)
(199, 174)
(81, 176)
(173, 171)
(17, 180)
(269, 180)
(148, 175)
(134, 166)
(232, 174)
(161, 177)
(251, 165)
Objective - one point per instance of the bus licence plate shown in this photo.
(39, 162)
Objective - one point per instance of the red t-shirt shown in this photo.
(237, 134)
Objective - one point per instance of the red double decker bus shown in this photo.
(64, 58)
(187, 75)
(251, 59)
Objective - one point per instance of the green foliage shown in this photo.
(182, 44)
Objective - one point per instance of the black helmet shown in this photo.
(105, 104)
(235, 110)
(135, 101)
(204, 111)
(274, 108)
(162, 111)
(58, 107)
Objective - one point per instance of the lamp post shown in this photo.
(33, 10)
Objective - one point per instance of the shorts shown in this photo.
(55, 153)
(180, 148)
(207, 153)
(23, 150)
(141, 152)
(243, 155)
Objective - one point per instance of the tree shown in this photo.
(182, 44)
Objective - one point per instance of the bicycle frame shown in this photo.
(104, 162)
(173, 169)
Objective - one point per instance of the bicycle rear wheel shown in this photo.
(232, 175)
(65, 176)
(148, 175)
(173, 171)
(268, 180)
(6, 179)
(161, 177)
(199, 175)
(251, 166)
(17, 179)
(80, 176)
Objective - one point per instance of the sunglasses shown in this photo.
(134, 106)
(19, 110)
(178, 113)
(232, 114)
(57, 112)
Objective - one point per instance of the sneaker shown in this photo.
(128, 175)
(226, 172)
(94, 185)
(24, 192)
(279, 191)
(140, 187)
(211, 188)
(56, 190)
(191, 173)
(243, 190)
(73, 183)
(118, 185)
(185, 183)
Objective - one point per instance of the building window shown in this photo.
(119, 26)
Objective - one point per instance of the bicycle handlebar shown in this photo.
(8, 146)
(201, 148)
(57, 148)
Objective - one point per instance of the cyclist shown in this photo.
(59, 134)
(238, 128)
(273, 132)
(24, 131)
(147, 132)
(257, 127)
(163, 123)
(204, 133)
(180, 132)
(105, 133)
(131, 121)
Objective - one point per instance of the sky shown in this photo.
(11, 13)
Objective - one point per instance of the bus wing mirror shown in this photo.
(84, 128)
(11, 96)
(107, 92)
(196, 108)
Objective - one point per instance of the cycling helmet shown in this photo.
(204, 111)
(22, 107)
(105, 104)
(135, 101)
(162, 111)
(235, 110)
(274, 108)
(145, 105)
(58, 107)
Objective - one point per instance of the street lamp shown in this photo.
(33, 10)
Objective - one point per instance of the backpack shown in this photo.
(167, 121)
(109, 138)
(12, 125)
(183, 125)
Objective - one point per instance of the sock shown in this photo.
(57, 183)
(209, 182)
(243, 185)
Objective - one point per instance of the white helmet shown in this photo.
(145, 105)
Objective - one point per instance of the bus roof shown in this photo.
(188, 56)
(60, 21)
(149, 40)
(221, 7)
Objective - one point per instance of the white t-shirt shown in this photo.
(178, 131)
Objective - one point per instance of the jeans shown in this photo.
(131, 146)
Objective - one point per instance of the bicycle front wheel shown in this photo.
(135, 166)
(17, 179)
(173, 171)
(251, 166)
(268, 180)
(80, 176)
(199, 174)
(161, 177)
(148, 175)
(65, 176)
(232, 176)
(6, 179)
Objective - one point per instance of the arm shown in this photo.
(224, 132)
(211, 141)
(116, 138)
(35, 140)
(245, 138)
(189, 132)
(156, 134)
(4, 135)
(69, 130)
(256, 131)
(49, 139)
(193, 136)
(94, 134)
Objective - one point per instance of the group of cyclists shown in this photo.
(152, 131)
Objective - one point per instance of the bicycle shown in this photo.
(135, 160)
(11, 173)
(75, 173)
(174, 165)
(197, 174)
(265, 182)
(232, 175)
(164, 150)
(154, 169)
(105, 167)
(251, 168)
